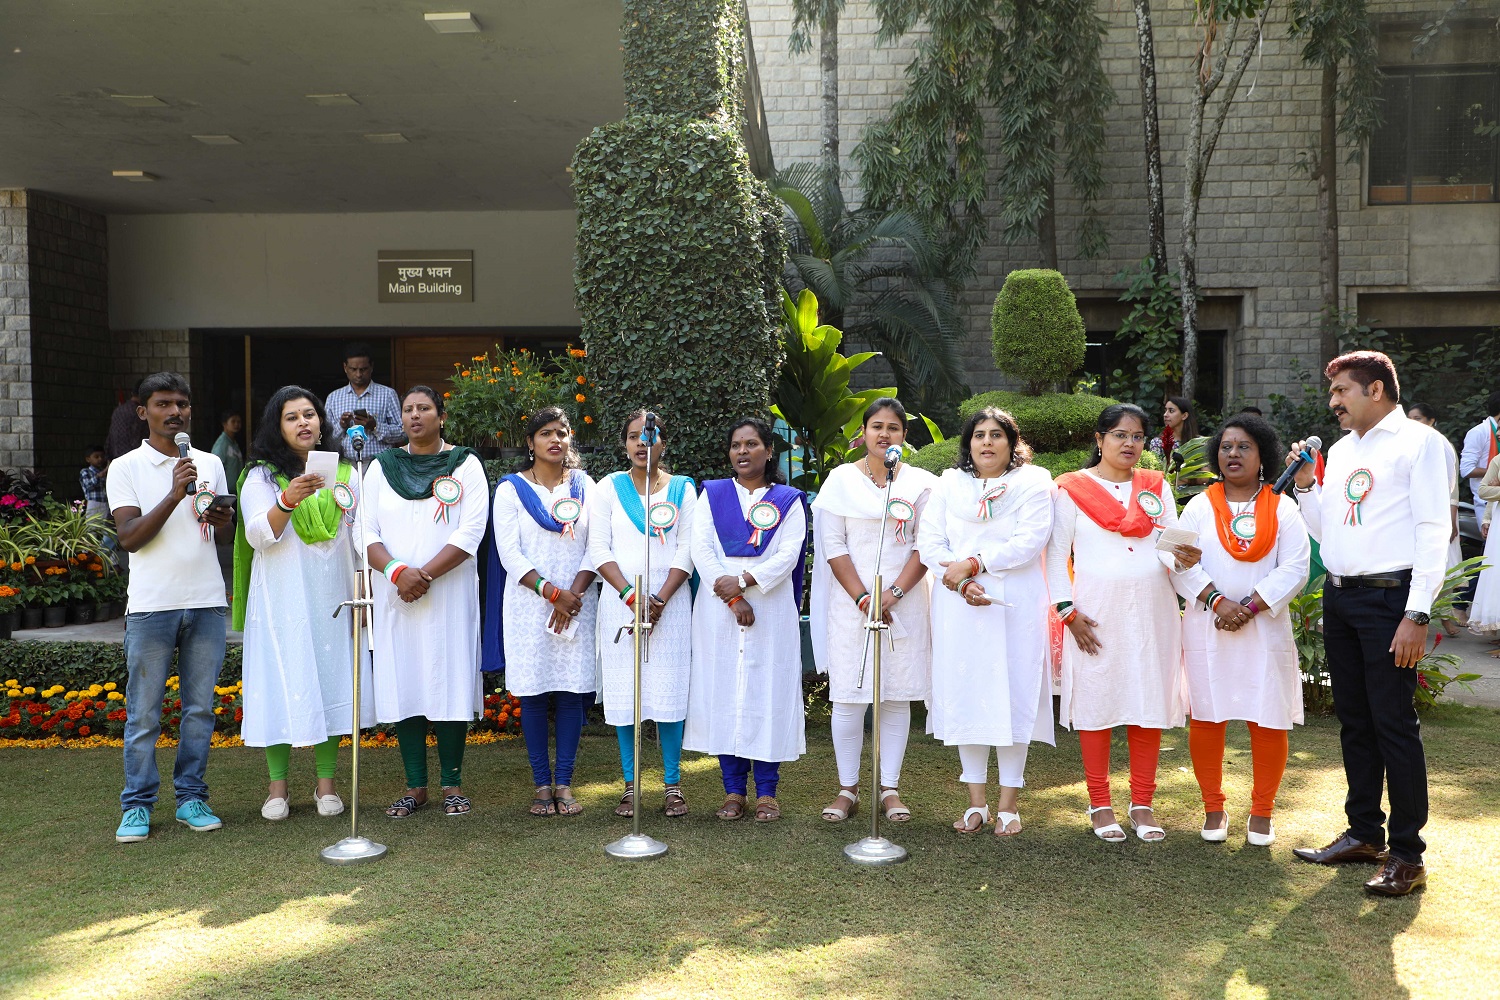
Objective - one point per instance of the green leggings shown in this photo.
(412, 735)
(325, 756)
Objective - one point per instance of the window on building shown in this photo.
(1439, 140)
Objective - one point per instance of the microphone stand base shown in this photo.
(353, 851)
(635, 847)
(875, 851)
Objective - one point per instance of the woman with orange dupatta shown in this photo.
(1236, 635)
(1122, 664)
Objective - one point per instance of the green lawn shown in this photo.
(500, 904)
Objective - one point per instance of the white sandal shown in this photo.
(1107, 833)
(1005, 819)
(983, 812)
(328, 805)
(1216, 836)
(1261, 839)
(833, 814)
(896, 814)
(1144, 830)
(275, 809)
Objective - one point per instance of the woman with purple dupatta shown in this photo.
(745, 695)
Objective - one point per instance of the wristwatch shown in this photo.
(898, 592)
(741, 581)
(1418, 617)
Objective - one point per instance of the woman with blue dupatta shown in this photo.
(745, 696)
(618, 521)
(294, 562)
(548, 601)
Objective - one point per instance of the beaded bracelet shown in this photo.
(282, 505)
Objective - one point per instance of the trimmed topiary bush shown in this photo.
(1039, 336)
(937, 456)
(1054, 421)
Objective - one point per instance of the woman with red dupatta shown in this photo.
(1122, 665)
(1237, 640)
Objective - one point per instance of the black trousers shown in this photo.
(1381, 737)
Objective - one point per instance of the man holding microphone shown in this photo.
(1383, 523)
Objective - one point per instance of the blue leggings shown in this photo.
(670, 734)
(570, 709)
(737, 769)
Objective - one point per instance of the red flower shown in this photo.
(228, 699)
(1422, 680)
(177, 705)
(83, 730)
(36, 720)
(68, 724)
(239, 714)
(88, 715)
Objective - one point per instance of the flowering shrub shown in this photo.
(502, 714)
(494, 393)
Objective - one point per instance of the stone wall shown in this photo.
(16, 442)
(1258, 222)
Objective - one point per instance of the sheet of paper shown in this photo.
(571, 632)
(897, 630)
(1170, 538)
(325, 464)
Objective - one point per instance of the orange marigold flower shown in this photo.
(83, 730)
(31, 560)
(582, 380)
(464, 373)
(15, 567)
(580, 397)
(447, 395)
(587, 419)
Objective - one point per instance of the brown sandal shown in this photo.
(676, 802)
(766, 809)
(733, 807)
(626, 808)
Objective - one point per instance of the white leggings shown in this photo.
(975, 758)
(849, 740)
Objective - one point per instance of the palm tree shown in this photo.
(878, 276)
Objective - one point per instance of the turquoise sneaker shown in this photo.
(135, 826)
(198, 817)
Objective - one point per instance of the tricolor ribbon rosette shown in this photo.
(662, 518)
(447, 491)
(202, 500)
(566, 512)
(1242, 527)
(343, 496)
(903, 513)
(991, 497)
(762, 517)
(1150, 503)
(1356, 488)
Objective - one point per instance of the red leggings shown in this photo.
(1145, 748)
(1268, 753)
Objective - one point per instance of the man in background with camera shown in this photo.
(366, 403)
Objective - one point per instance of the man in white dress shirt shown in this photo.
(1383, 522)
(1480, 446)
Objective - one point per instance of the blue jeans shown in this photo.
(196, 636)
(570, 714)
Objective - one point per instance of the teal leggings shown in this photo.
(325, 757)
(670, 734)
(411, 734)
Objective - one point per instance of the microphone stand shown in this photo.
(876, 850)
(354, 849)
(637, 846)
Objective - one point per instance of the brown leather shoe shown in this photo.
(1344, 850)
(1397, 878)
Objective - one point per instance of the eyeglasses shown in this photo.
(1121, 437)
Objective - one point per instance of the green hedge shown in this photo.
(1053, 421)
(680, 248)
(79, 664)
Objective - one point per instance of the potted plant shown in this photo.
(10, 613)
(80, 598)
(111, 588)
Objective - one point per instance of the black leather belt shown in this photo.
(1383, 582)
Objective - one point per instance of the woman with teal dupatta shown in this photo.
(425, 514)
(294, 561)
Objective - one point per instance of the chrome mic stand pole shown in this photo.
(636, 846)
(876, 850)
(354, 849)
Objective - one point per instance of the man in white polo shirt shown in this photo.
(162, 511)
(1383, 521)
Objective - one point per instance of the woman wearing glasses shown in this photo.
(1123, 663)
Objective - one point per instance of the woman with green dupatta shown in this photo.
(428, 505)
(294, 561)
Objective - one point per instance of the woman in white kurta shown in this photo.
(1484, 612)
(847, 519)
(617, 536)
(984, 530)
(1237, 639)
(1122, 665)
(745, 695)
(548, 614)
(294, 563)
(427, 505)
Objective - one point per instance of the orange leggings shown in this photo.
(1145, 748)
(1268, 752)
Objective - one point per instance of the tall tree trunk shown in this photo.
(1326, 173)
(1156, 212)
(1046, 226)
(828, 59)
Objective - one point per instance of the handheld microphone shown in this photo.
(183, 442)
(892, 456)
(357, 438)
(1313, 444)
(648, 429)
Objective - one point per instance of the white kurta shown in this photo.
(538, 660)
(427, 652)
(991, 682)
(1484, 612)
(613, 537)
(1125, 585)
(298, 685)
(1252, 673)
(745, 696)
(846, 522)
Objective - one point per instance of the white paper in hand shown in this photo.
(571, 632)
(325, 464)
(1170, 538)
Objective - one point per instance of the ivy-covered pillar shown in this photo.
(680, 247)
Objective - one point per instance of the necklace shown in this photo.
(531, 474)
(871, 476)
(656, 478)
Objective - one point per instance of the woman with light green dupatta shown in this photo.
(294, 562)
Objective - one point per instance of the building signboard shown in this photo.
(425, 275)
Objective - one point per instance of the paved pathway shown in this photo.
(110, 631)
